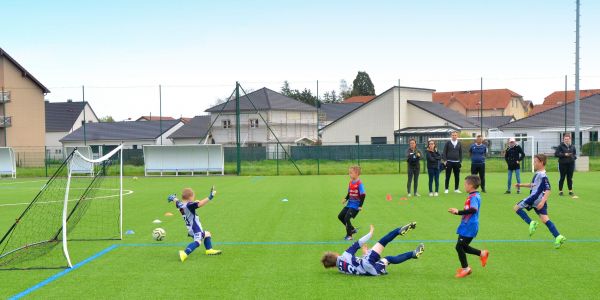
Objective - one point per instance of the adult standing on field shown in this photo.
(513, 156)
(452, 155)
(567, 154)
(478, 151)
(434, 161)
(413, 157)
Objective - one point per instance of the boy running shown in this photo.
(538, 200)
(187, 207)
(371, 263)
(469, 226)
(354, 201)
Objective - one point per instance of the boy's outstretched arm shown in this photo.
(204, 201)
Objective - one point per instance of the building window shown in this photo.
(521, 137)
(58, 151)
(593, 136)
(253, 123)
(378, 140)
(135, 147)
(226, 124)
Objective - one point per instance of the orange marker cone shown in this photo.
(388, 197)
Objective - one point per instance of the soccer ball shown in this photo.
(159, 234)
(134, 177)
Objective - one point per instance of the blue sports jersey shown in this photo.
(355, 190)
(369, 265)
(478, 153)
(539, 185)
(469, 224)
(188, 212)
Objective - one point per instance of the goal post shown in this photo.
(186, 159)
(67, 209)
(8, 164)
(496, 146)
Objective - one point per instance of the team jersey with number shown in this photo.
(369, 264)
(469, 224)
(188, 212)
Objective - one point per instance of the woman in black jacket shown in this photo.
(567, 154)
(434, 161)
(413, 157)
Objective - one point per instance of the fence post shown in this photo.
(318, 161)
(358, 152)
(277, 157)
(399, 156)
(46, 159)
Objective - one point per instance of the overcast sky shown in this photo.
(122, 50)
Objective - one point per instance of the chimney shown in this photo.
(69, 100)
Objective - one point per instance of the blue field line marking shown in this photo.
(113, 247)
(241, 243)
(62, 273)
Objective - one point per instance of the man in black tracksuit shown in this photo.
(452, 155)
(567, 154)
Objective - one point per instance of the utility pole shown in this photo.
(577, 116)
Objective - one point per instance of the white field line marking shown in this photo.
(21, 182)
(125, 193)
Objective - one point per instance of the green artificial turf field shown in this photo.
(271, 248)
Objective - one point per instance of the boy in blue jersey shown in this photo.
(371, 263)
(538, 200)
(354, 201)
(469, 226)
(187, 207)
(478, 151)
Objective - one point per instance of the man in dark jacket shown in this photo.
(513, 156)
(452, 156)
(567, 154)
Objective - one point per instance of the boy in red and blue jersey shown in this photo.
(469, 226)
(354, 201)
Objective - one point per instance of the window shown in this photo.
(57, 151)
(135, 147)
(521, 137)
(593, 136)
(4, 96)
(378, 140)
(253, 123)
(226, 124)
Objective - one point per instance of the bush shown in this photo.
(591, 149)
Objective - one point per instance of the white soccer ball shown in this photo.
(159, 234)
(135, 178)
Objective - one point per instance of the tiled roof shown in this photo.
(196, 128)
(155, 118)
(120, 131)
(263, 99)
(558, 97)
(492, 99)
(61, 116)
(555, 117)
(334, 111)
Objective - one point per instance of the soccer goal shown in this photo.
(496, 148)
(67, 210)
(183, 159)
(79, 165)
(8, 166)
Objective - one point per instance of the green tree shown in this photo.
(107, 119)
(331, 97)
(304, 96)
(362, 85)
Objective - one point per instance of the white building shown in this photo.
(62, 118)
(376, 121)
(289, 119)
(547, 127)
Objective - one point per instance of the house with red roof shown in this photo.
(496, 102)
(559, 98)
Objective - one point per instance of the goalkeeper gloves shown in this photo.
(212, 193)
(171, 198)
